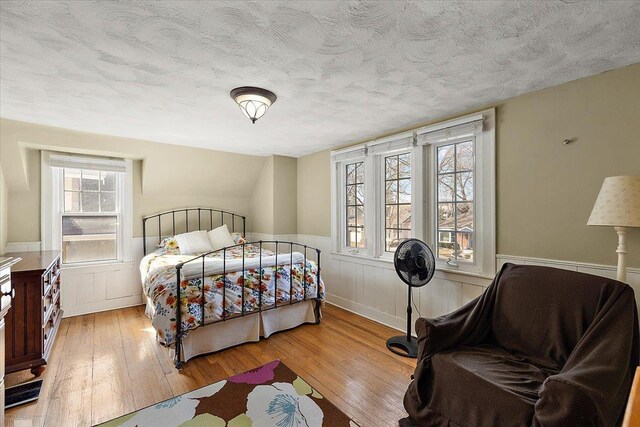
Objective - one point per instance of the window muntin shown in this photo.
(397, 203)
(90, 215)
(89, 191)
(455, 201)
(354, 206)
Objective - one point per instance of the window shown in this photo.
(90, 215)
(455, 205)
(375, 212)
(436, 183)
(87, 208)
(397, 189)
(445, 237)
(354, 180)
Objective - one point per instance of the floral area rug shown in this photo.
(269, 396)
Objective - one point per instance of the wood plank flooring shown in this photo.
(108, 364)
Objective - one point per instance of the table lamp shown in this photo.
(618, 206)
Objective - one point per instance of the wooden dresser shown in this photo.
(35, 314)
(6, 293)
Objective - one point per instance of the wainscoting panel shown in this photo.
(372, 288)
(633, 274)
(98, 288)
(470, 292)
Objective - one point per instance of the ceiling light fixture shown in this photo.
(253, 101)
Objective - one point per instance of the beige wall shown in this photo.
(4, 199)
(314, 194)
(24, 206)
(285, 209)
(165, 176)
(273, 204)
(545, 189)
(261, 203)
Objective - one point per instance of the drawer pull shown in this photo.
(12, 293)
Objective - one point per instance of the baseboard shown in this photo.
(367, 312)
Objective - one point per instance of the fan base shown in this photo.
(403, 347)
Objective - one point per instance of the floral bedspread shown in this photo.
(159, 284)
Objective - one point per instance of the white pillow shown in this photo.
(221, 238)
(195, 242)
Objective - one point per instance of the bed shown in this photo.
(229, 296)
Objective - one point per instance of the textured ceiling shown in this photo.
(343, 71)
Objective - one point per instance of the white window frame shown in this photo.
(372, 154)
(423, 190)
(380, 206)
(484, 191)
(342, 214)
(52, 210)
(432, 220)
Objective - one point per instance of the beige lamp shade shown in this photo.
(618, 203)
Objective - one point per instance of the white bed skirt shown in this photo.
(240, 330)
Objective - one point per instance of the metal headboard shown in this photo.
(210, 215)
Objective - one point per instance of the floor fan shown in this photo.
(415, 266)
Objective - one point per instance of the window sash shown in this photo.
(81, 191)
(360, 230)
(117, 213)
(79, 239)
(438, 176)
(398, 230)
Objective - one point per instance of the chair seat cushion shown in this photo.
(484, 386)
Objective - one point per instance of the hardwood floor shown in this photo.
(108, 364)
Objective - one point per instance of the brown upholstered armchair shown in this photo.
(540, 347)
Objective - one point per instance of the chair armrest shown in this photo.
(562, 404)
(468, 325)
(593, 386)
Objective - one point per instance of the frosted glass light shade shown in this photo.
(618, 203)
(253, 101)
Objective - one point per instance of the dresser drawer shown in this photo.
(46, 282)
(55, 286)
(47, 305)
(47, 332)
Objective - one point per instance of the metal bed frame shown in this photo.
(202, 322)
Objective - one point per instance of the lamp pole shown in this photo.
(622, 254)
